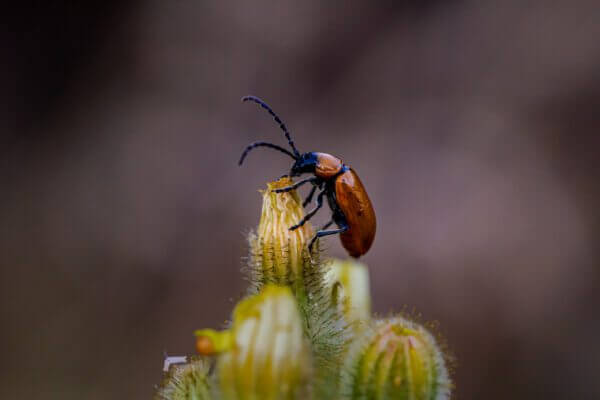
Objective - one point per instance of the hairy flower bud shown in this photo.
(278, 254)
(188, 381)
(268, 358)
(349, 283)
(400, 360)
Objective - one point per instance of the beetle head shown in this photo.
(306, 163)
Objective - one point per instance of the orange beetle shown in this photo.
(351, 208)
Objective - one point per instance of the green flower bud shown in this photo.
(399, 360)
(278, 254)
(349, 283)
(268, 358)
(189, 381)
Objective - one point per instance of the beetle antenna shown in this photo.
(277, 119)
(264, 144)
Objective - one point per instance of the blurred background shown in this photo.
(473, 125)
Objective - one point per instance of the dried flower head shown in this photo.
(278, 254)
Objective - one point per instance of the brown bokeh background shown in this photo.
(473, 124)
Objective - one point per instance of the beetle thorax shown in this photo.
(327, 165)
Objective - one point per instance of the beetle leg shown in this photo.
(327, 225)
(311, 213)
(296, 185)
(322, 233)
(310, 196)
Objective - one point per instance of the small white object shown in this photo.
(173, 360)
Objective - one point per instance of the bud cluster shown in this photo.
(305, 330)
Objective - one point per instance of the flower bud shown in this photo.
(278, 254)
(400, 360)
(268, 358)
(188, 381)
(349, 285)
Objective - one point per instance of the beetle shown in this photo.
(348, 200)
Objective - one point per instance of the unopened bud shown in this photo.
(278, 254)
(187, 381)
(269, 358)
(400, 360)
(349, 283)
